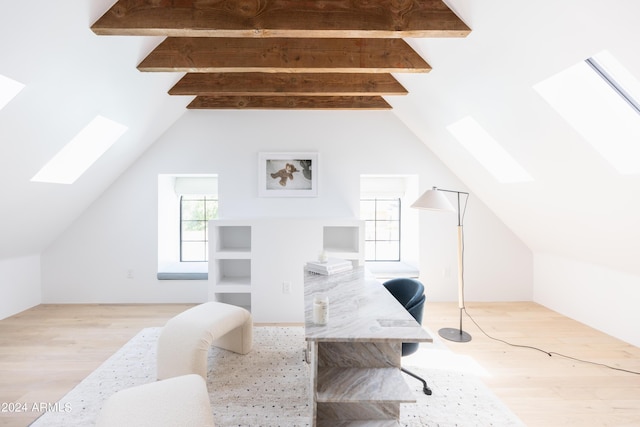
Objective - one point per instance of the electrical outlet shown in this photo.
(286, 287)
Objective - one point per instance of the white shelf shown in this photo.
(240, 299)
(230, 262)
(233, 238)
(337, 253)
(233, 254)
(341, 238)
(235, 285)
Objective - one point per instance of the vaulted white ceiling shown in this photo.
(578, 205)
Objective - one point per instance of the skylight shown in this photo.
(9, 88)
(599, 98)
(488, 152)
(81, 152)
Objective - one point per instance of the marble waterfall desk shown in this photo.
(355, 358)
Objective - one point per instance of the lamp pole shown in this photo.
(432, 201)
(452, 334)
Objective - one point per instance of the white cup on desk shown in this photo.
(320, 309)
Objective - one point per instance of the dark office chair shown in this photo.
(409, 293)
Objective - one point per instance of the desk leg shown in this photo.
(358, 382)
(312, 354)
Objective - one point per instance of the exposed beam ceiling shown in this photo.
(290, 102)
(281, 18)
(242, 50)
(217, 55)
(287, 84)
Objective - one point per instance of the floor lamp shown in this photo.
(435, 200)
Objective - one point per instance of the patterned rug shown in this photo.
(269, 387)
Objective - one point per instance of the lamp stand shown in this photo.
(435, 201)
(452, 334)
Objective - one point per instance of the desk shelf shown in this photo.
(361, 423)
(356, 385)
(356, 358)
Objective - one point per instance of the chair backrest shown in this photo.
(406, 290)
(416, 311)
(409, 293)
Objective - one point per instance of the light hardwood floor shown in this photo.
(47, 350)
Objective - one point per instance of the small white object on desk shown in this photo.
(320, 309)
(323, 257)
(330, 266)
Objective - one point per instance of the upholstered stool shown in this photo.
(184, 341)
(179, 401)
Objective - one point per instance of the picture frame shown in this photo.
(288, 174)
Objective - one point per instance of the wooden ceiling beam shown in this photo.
(214, 55)
(289, 103)
(281, 18)
(287, 84)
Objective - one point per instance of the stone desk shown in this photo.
(355, 358)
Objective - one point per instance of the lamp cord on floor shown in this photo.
(548, 353)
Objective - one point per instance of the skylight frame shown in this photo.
(598, 97)
(488, 152)
(617, 77)
(81, 152)
(9, 89)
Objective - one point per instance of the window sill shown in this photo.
(389, 270)
(183, 271)
(183, 276)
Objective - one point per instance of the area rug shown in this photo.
(269, 387)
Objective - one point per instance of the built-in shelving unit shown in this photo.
(344, 241)
(258, 263)
(230, 263)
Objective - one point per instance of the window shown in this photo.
(185, 203)
(195, 211)
(81, 152)
(598, 97)
(382, 228)
(391, 233)
(486, 150)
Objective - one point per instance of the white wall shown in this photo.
(497, 266)
(600, 297)
(118, 233)
(19, 284)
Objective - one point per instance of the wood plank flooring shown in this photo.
(47, 350)
(544, 390)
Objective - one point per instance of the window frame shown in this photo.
(204, 198)
(375, 227)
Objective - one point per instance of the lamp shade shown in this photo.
(433, 200)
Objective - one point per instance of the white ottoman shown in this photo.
(180, 401)
(184, 342)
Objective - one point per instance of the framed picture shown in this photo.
(287, 174)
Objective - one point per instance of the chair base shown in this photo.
(425, 388)
(453, 334)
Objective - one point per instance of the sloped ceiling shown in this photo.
(578, 206)
(71, 75)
